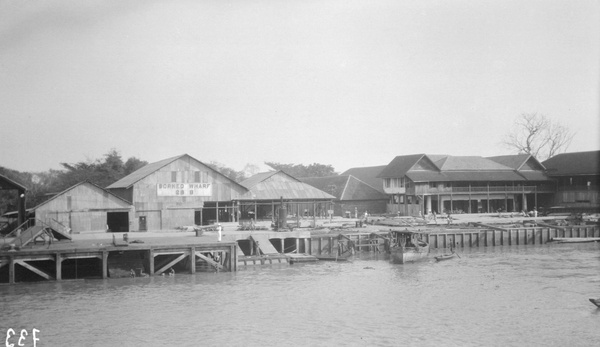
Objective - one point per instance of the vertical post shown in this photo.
(518, 232)
(297, 245)
(306, 248)
(193, 260)
(58, 263)
(217, 213)
(282, 245)
(526, 236)
(510, 237)
(151, 262)
(11, 270)
(330, 246)
(493, 234)
(320, 243)
(104, 264)
(478, 237)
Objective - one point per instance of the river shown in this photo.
(533, 295)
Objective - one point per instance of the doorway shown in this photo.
(117, 221)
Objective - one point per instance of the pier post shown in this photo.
(509, 237)
(151, 262)
(193, 260)
(58, 263)
(104, 264)
(518, 232)
(11, 270)
(494, 237)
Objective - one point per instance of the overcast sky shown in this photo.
(346, 83)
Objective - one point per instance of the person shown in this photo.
(535, 212)
(171, 272)
(434, 217)
(219, 229)
(131, 273)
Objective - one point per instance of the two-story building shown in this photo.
(577, 177)
(422, 183)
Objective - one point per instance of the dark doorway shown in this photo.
(143, 225)
(117, 221)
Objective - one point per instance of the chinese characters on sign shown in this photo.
(183, 189)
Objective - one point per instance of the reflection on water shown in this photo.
(520, 296)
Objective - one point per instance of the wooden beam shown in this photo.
(11, 270)
(210, 261)
(192, 260)
(171, 263)
(81, 256)
(34, 269)
(105, 264)
(58, 262)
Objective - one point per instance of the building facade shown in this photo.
(577, 177)
(420, 184)
(85, 207)
(176, 192)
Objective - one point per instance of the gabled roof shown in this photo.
(6, 183)
(400, 165)
(143, 172)
(368, 174)
(518, 161)
(346, 187)
(94, 186)
(277, 184)
(129, 180)
(576, 163)
(419, 168)
(470, 163)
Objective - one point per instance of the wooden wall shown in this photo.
(168, 212)
(82, 208)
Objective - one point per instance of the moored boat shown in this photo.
(407, 247)
(445, 256)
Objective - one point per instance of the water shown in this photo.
(503, 296)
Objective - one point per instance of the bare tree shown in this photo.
(539, 136)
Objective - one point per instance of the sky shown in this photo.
(345, 83)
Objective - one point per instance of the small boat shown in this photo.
(407, 247)
(445, 256)
(595, 302)
(575, 239)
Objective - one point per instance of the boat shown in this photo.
(445, 256)
(595, 302)
(407, 247)
(575, 239)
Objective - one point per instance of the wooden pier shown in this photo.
(153, 257)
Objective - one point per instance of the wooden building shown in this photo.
(577, 177)
(85, 207)
(176, 192)
(420, 183)
(352, 196)
(267, 191)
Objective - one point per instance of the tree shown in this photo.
(539, 136)
(237, 176)
(300, 170)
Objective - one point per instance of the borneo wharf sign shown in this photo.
(183, 189)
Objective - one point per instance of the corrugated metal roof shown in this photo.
(345, 187)
(576, 163)
(102, 190)
(278, 184)
(256, 179)
(142, 172)
(369, 175)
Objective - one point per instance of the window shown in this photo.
(387, 182)
(173, 176)
(69, 202)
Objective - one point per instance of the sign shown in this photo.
(183, 189)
